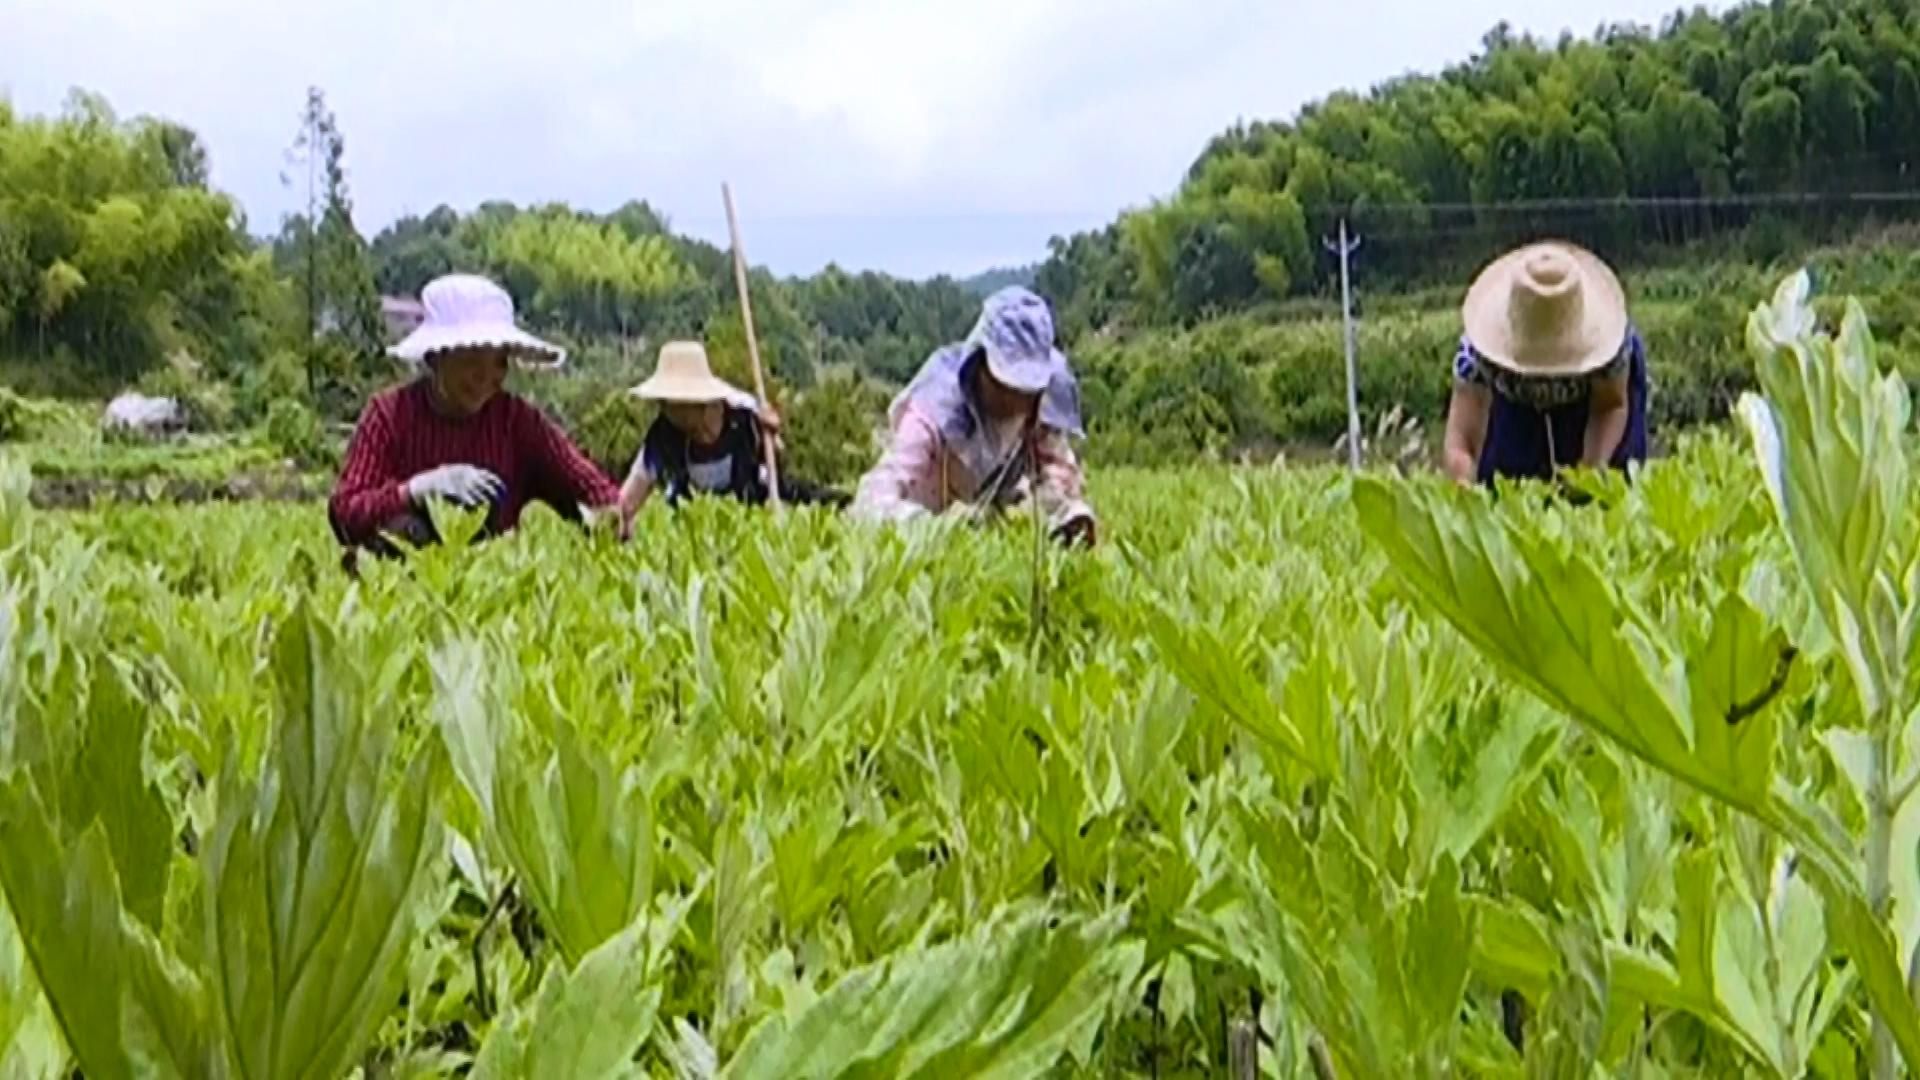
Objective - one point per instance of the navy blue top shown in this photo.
(729, 466)
(1536, 425)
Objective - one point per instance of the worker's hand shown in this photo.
(609, 519)
(769, 418)
(465, 485)
(1077, 531)
(1463, 468)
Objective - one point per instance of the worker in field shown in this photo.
(1551, 372)
(455, 434)
(708, 439)
(985, 425)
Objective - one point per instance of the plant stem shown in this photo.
(1879, 859)
(482, 995)
(1037, 603)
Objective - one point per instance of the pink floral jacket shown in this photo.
(919, 473)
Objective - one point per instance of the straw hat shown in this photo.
(1550, 309)
(683, 375)
(467, 311)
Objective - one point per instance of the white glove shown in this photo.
(466, 485)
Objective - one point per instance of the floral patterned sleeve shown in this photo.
(1467, 369)
(905, 481)
(1061, 488)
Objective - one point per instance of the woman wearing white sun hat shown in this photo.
(707, 440)
(455, 434)
(1551, 372)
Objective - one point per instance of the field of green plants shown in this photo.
(1298, 775)
(1276, 377)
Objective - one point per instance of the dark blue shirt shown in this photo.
(1535, 425)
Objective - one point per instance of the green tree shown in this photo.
(339, 307)
(414, 250)
(1770, 141)
(109, 240)
(1774, 97)
(184, 153)
(1836, 99)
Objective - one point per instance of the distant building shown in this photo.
(401, 316)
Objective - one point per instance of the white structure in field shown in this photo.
(150, 415)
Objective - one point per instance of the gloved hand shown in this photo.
(466, 485)
(1078, 530)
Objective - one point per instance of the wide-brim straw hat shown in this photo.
(1547, 309)
(464, 311)
(683, 375)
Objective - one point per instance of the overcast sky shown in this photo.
(914, 136)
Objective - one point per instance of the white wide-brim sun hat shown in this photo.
(683, 375)
(465, 311)
(1548, 309)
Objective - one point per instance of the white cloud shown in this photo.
(913, 135)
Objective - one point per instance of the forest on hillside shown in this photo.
(1716, 143)
(116, 255)
(1636, 140)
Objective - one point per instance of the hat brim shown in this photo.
(687, 390)
(1578, 350)
(530, 351)
(1025, 375)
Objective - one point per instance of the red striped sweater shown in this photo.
(400, 435)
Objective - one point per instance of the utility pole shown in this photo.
(1345, 249)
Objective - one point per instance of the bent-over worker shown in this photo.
(985, 425)
(709, 438)
(455, 434)
(1551, 372)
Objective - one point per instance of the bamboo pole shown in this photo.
(753, 341)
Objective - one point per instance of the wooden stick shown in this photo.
(1243, 1049)
(753, 342)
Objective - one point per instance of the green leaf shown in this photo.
(1829, 437)
(1551, 622)
(126, 1008)
(585, 1023)
(579, 839)
(1177, 995)
(1713, 972)
(1209, 668)
(314, 875)
(1869, 944)
(1008, 1000)
(85, 754)
(739, 889)
(1734, 680)
(1439, 933)
(1513, 946)
(1505, 744)
(29, 1044)
(1567, 1036)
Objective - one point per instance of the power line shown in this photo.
(1629, 202)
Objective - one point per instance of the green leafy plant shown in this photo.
(1304, 773)
(308, 882)
(1829, 439)
(294, 431)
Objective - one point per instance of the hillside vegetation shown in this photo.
(1306, 773)
(1700, 156)
(1638, 142)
